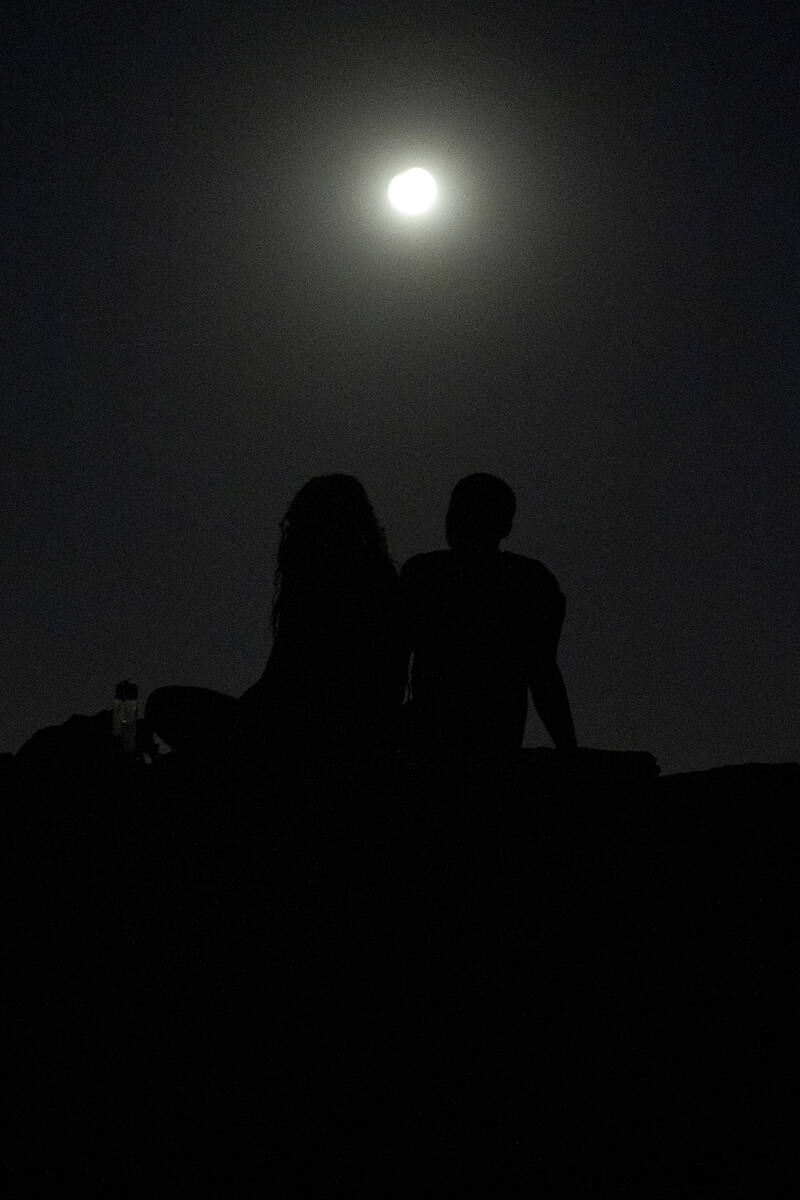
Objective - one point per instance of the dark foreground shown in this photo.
(574, 982)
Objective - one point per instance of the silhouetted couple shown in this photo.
(480, 628)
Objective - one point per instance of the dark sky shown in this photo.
(209, 302)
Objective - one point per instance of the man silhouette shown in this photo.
(484, 628)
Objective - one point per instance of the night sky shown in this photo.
(209, 301)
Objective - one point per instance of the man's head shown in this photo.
(480, 514)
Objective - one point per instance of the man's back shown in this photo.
(481, 627)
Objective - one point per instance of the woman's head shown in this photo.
(330, 537)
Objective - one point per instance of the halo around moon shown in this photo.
(413, 192)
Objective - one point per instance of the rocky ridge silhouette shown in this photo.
(580, 948)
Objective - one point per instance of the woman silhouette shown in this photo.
(337, 671)
(335, 678)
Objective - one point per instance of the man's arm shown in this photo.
(548, 691)
(552, 704)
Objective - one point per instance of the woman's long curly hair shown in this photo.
(330, 541)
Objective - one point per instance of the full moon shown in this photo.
(413, 192)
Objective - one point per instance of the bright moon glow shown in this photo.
(413, 192)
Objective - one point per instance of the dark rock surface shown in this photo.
(573, 977)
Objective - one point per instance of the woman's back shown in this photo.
(338, 662)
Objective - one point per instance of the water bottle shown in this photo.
(123, 721)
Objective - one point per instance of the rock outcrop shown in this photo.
(586, 957)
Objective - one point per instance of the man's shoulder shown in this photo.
(421, 564)
(518, 566)
(529, 571)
